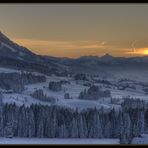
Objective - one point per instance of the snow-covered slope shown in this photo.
(42, 141)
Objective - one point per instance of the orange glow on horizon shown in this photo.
(139, 51)
(75, 49)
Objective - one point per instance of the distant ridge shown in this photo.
(15, 56)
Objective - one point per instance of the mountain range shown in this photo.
(15, 56)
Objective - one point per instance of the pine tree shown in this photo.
(22, 122)
(125, 132)
(31, 123)
(81, 127)
(97, 126)
(74, 128)
(8, 130)
(63, 133)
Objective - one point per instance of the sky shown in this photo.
(74, 30)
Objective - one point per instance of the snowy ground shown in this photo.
(74, 89)
(56, 141)
(141, 140)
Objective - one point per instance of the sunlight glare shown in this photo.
(145, 52)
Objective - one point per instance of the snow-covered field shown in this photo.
(56, 141)
(73, 88)
(141, 140)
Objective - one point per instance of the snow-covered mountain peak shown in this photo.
(2, 35)
(10, 49)
(107, 56)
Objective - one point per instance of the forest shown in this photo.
(60, 122)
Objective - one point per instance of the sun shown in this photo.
(145, 51)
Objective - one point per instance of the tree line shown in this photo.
(16, 81)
